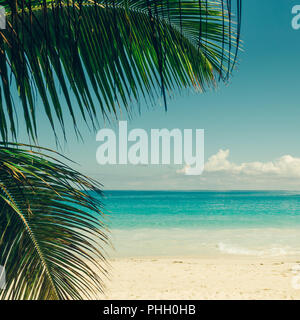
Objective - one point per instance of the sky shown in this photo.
(252, 132)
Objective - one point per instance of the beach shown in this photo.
(204, 245)
(229, 277)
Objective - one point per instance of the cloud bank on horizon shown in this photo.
(285, 166)
(219, 173)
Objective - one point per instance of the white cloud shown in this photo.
(184, 170)
(219, 162)
(285, 166)
(220, 173)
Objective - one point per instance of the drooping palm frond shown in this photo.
(108, 54)
(51, 230)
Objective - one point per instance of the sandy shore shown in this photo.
(203, 278)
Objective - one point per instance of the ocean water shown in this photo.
(194, 223)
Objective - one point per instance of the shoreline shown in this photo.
(203, 278)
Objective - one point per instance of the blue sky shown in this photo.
(254, 120)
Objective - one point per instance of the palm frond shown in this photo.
(106, 55)
(51, 228)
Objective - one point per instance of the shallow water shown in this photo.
(168, 223)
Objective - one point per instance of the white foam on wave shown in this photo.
(203, 242)
(275, 251)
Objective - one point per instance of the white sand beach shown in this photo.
(203, 278)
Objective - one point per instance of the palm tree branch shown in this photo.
(52, 225)
(120, 49)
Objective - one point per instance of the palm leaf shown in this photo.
(51, 229)
(106, 55)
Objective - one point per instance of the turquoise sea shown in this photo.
(193, 223)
